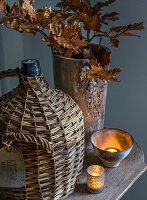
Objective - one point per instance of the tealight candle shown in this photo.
(95, 179)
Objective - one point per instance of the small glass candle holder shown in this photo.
(95, 179)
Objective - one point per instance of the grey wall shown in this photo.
(126, 102)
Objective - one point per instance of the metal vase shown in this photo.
(90, 94)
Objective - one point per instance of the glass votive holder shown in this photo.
(95, 179)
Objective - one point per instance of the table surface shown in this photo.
(118, 180)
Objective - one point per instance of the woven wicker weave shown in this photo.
(47, 126)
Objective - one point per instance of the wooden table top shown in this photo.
(118, 180)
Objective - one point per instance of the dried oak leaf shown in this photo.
(130, 27)
(110, 16)
(30, 26)
(27, 6)
(105, 59)
(8, 8)
(86, 21)
(95, 22)
(99, 5)
(86, 4)
(50, 40)
(15, 10)
(130, 34)
(68, 53)
(2, 5)
(65, 42)
(136, 26)
(85, 7)
(73, 18)
(77, 42)
(113, 42)
(6, 19)
(69, 31)
(75, 3)
(15, 24)
(61, 4)
(98, 71)
(93, 63)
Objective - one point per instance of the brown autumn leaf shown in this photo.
(130, 34)
(68, 53)
(107, 75)
(111, 34)
(41, 16)
(67, 30)
(86, 3)
(30, 26)
(86, 21)
(77, 42)
(95, 22)
(115, 71)
(2, 5)
(113, 16)
(75, 3)
(65, 42)
(96, 70)
(85, 7)
(61, 4)
(130, 27)
(15, 24)
(136, 26)
(15, 10)
(72, 18)
(99, 5)
(7, 8)
(105, 59)
(113, 42)
(90, 76)
(93, 62)
(27, 6)
(50, 40)
(117, 28)
(5, 19)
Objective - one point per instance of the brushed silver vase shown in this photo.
(90, 94)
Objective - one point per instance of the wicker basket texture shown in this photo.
(47, 126)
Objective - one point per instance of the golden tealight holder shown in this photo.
(95, 179)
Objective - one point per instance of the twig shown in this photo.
(100, 44)
(88, 34)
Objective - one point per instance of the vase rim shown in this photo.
(80, 59)
(76, 59)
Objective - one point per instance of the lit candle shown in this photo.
(95, 178)
(112, 150)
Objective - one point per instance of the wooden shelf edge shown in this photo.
(144, 168)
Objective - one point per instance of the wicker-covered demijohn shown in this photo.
(47, 126)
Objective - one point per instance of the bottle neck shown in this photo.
(30, 68)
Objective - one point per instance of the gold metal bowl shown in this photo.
(112, 146)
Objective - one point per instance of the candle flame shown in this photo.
(112, 150)
(94, 174)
